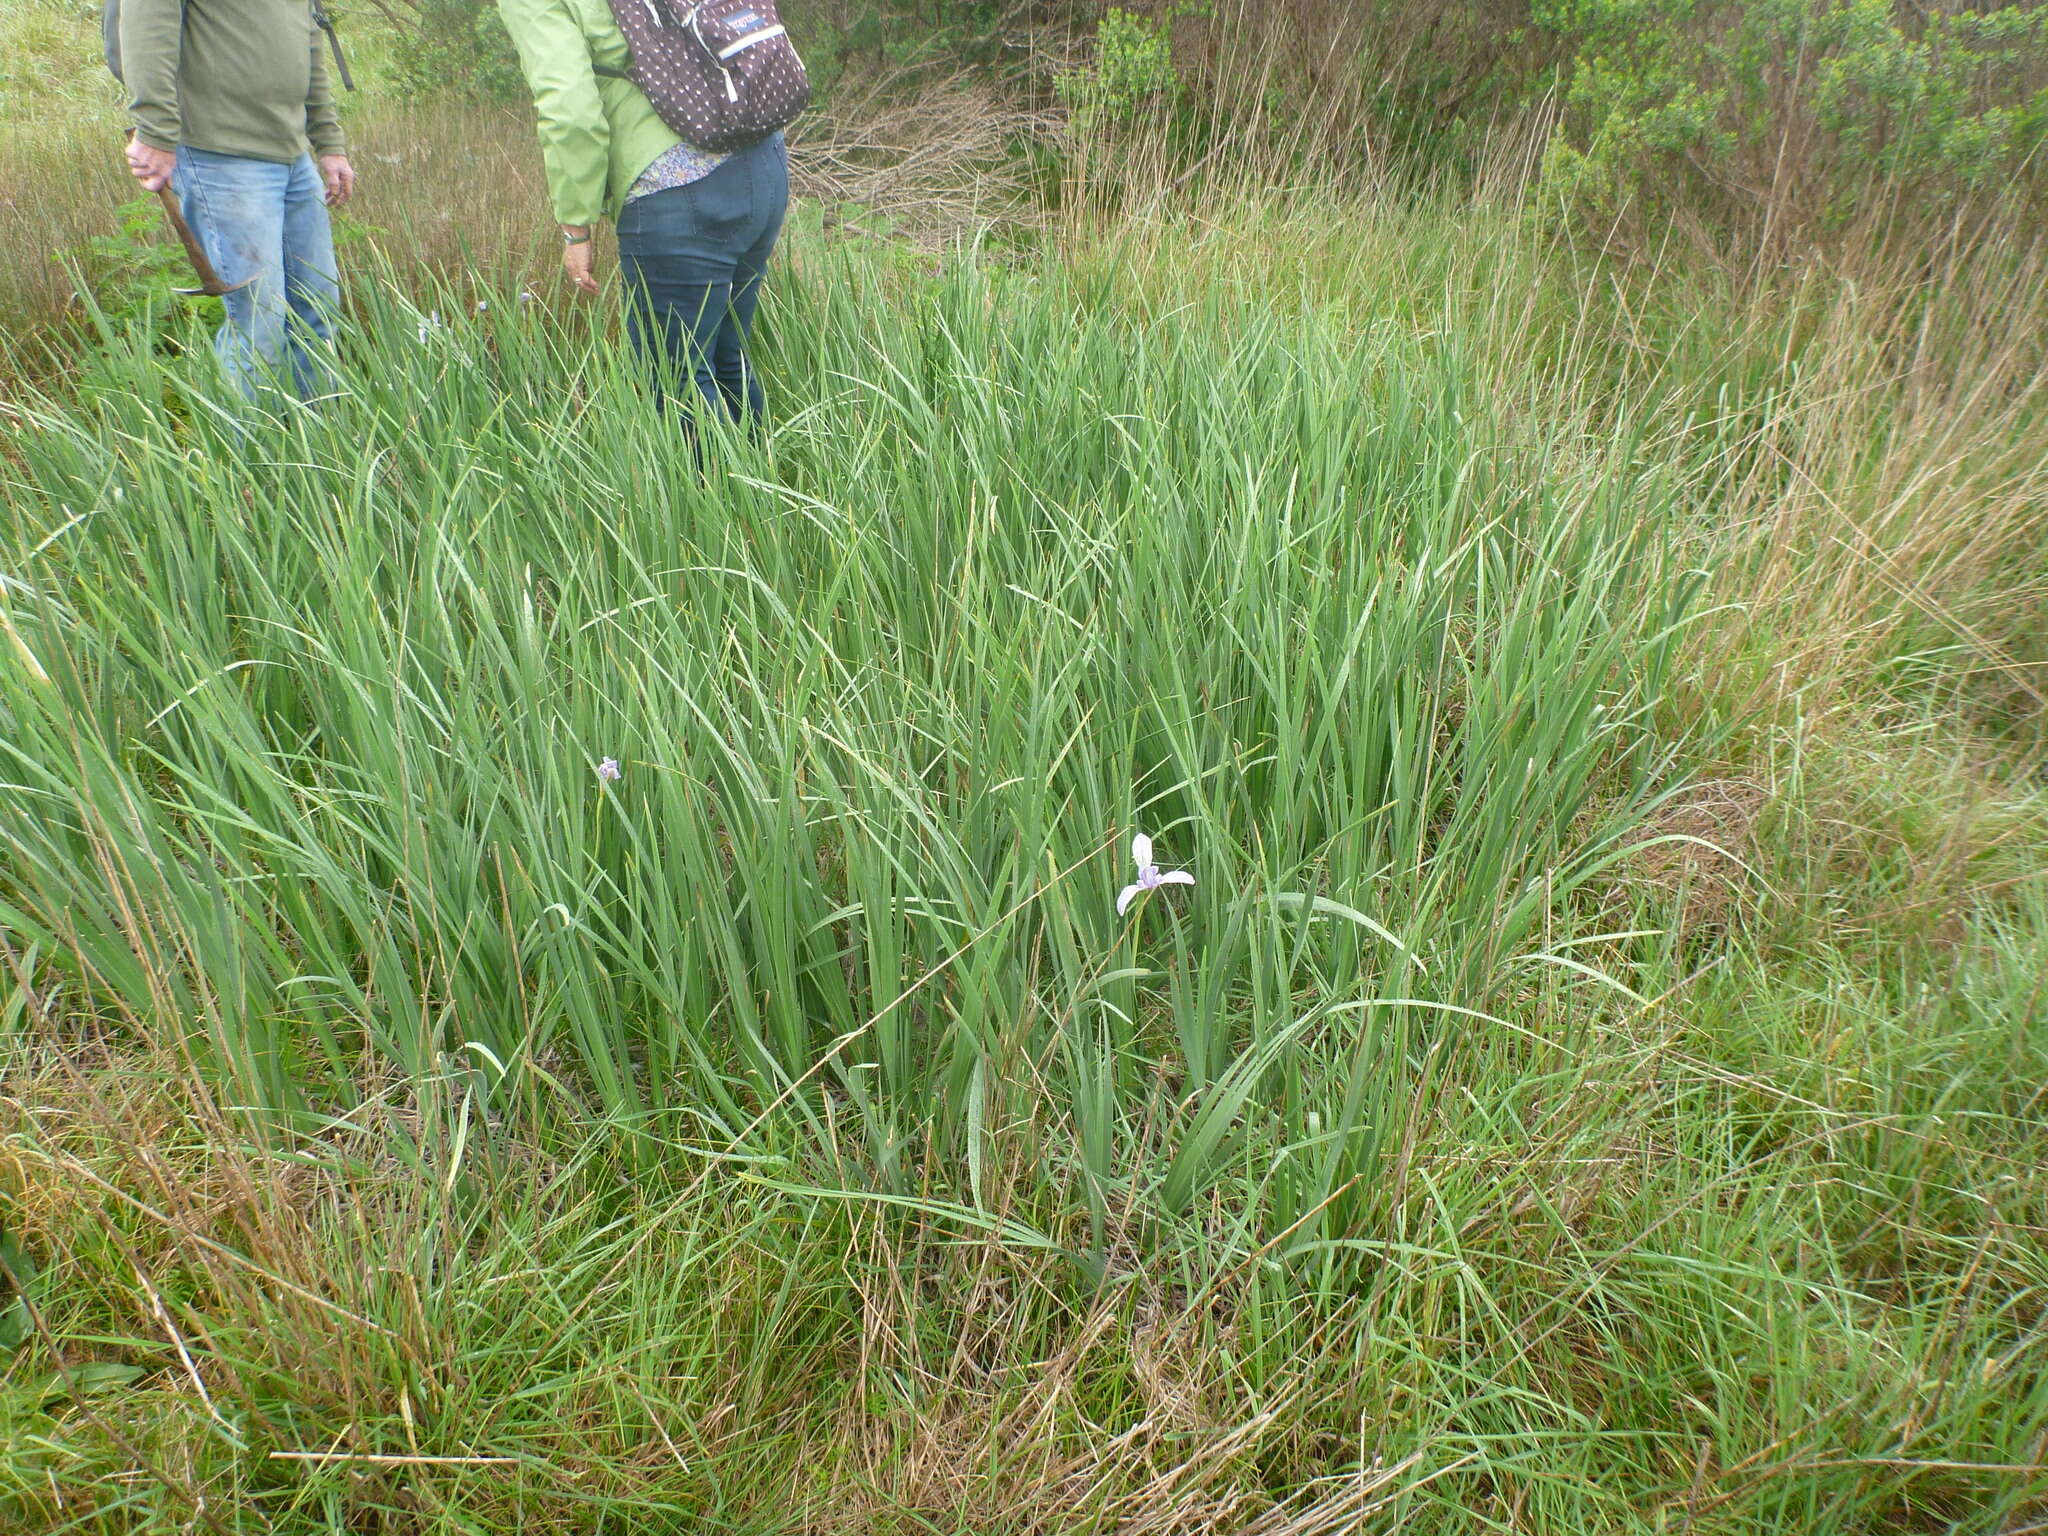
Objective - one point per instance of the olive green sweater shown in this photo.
(238, 77)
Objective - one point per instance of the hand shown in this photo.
(576, 263)
(339, 177)
(149, 165)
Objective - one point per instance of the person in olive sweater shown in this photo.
(232, 111)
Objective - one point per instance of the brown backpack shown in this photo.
(721, 73)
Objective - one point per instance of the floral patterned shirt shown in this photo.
(677, 168)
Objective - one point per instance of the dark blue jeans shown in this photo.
(693, 259)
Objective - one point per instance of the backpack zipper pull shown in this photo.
(732, 92)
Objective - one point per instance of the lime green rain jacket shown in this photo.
(596, 134)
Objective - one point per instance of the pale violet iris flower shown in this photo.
(1150, 875)
(608, 770)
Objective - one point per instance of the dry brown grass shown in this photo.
(934, 161)
(1698, 853)
(988, 1445)
(1906, 484)
(224, 1272)
(61, 186)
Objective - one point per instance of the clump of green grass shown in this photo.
(787, 1133)
(891, 697)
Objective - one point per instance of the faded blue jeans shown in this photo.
(264, 225)
(693, 258)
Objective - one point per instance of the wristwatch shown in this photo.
(569, 239)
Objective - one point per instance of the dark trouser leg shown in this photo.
(677, 251)
(693, 259)
(739, 386)
(674, 324)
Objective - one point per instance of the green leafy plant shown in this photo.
(131, 277)
(1790, 115)
(458, 48)
(1132, 75)
(17, 1273)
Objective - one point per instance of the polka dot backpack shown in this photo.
(722, 73)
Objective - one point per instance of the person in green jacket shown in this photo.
(231, 110)
(695, 228)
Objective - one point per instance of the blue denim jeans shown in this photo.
(693, 258)
(264, 225)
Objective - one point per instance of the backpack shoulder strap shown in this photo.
(326, 24)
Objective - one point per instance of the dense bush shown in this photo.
(1132, 73)
(1790, 115)
(458, 47)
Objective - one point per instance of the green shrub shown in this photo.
(132, 276)
(1132, 76)
(458, 47)
(1790, 115)
(859, 42)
